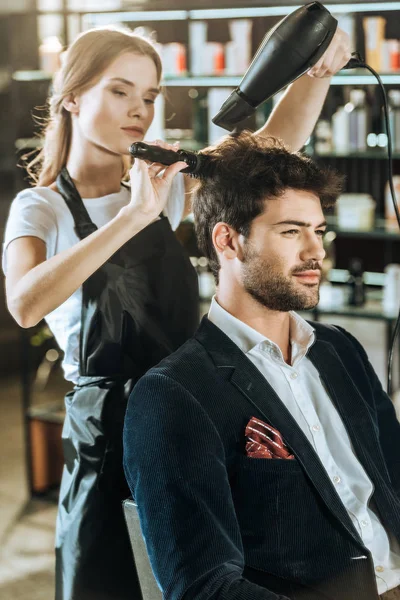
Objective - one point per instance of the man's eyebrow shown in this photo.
(131, 84)
(299, 223)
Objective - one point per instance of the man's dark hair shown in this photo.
(247, 170)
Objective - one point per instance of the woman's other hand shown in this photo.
(335, 58)
(150, 185)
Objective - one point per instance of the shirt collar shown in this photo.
(241, 334)
(301, 333)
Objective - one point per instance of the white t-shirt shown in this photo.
(43, 213)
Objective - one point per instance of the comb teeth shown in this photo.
(192, 161)
(201, 167)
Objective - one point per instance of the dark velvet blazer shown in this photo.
(220, 525)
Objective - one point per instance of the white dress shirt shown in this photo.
(300, 388)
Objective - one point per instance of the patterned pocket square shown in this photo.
(263, 441)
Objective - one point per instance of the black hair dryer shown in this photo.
(287, 51)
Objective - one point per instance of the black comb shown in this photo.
(198, 165)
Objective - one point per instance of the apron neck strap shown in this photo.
(84, 226)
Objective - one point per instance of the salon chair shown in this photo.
(148, 585)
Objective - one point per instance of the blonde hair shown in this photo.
(83, 63)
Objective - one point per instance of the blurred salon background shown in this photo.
(205, 50)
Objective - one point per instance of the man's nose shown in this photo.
(313, 248)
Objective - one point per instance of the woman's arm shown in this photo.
(36, 286)
(294, 117)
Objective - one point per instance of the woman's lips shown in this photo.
(133, 131)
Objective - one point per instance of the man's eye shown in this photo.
(321, 232)
(290, 232)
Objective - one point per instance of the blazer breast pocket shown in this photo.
(262, 489)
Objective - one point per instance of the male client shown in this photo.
(264, 455)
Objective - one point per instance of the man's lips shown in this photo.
(308, 276)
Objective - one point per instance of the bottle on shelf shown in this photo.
(238, 50)
(199, 98)
(355, 211)
(356, 283)
(394, 118)
(217, 62)
(390, 213)
(358, 120)
(390, 60)
(391, 290)
(340, 131)
(50, 54)
(323, 137)
(197, 42)
(173, 58)
(374, 33)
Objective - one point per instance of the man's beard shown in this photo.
(268, 286)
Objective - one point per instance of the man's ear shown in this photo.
(226, 241)
(71, 104)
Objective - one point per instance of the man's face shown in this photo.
(283, 254)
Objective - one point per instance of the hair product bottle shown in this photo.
(358, 120)
(356, 283)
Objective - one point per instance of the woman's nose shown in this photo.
(137, 108)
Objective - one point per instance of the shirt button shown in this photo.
(364, 523)
(379, 569)
(294, 375)
(336, 479)
(316, 428)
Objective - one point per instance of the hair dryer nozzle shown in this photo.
(287, 51)
(234, 110)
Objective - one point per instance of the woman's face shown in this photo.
(119, 108)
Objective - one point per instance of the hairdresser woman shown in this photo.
(99, 261)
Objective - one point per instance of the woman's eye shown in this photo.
(149, 101)
(119, 93)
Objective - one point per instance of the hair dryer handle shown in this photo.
(355, 62)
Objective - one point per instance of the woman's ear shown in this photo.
(71, 104)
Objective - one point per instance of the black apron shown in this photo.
(140, 306)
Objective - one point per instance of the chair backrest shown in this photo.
(148, 584)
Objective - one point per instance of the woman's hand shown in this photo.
(150, 185)
(335, 58)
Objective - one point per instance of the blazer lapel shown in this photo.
(235, 367)
(351, 406)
